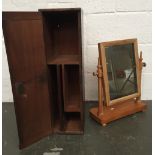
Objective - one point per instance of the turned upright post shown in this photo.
(141, 65)
(100, 89)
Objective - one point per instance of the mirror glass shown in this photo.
(121, 68)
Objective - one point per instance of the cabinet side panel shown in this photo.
(81, 71)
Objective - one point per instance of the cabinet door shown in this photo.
(23, 33)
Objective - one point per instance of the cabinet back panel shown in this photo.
(71, 88)
(61, 30)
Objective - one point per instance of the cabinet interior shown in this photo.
(64, 83)
(61, 37)
(63, 55)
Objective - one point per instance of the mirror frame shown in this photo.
(105, 83)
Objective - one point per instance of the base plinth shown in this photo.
(117, 111)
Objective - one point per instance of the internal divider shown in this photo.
(65, 98)
(60, 96)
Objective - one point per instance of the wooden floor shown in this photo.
(131, 135)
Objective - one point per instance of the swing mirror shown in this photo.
(119, 60)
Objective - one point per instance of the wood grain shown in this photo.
(102, 57)
(44, 52)
(117, 111)
(27, 65)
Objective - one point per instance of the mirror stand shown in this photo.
(104, 114)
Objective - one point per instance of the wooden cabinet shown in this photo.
(45, 62)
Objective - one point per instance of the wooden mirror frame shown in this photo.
(111, 110)
(102, 57)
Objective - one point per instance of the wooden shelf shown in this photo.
(64, 59)
(73, 104)
(72, 108)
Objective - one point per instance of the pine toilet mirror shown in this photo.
(119, 81)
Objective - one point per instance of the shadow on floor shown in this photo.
(131, 135)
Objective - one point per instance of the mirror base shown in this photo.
(117, 111)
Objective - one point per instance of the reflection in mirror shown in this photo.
(121, 68)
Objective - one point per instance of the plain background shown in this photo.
(103, 20)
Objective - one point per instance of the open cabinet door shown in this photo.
(23, 34)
